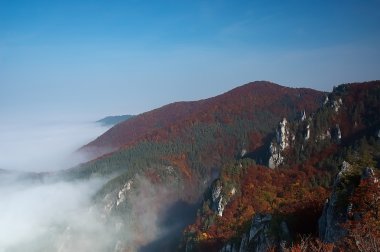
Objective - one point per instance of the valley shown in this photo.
(213, 155)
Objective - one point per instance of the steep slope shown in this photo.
(164, 159)
(194, 139)
(250, 208)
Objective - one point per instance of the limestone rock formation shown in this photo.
(333, 214)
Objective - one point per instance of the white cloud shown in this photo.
(49, 214)
(45, 215)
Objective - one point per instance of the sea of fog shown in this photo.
(44, 146)
(47, 215)
(44, 213)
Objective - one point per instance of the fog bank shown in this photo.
(56, 216)
(43, 214)
(47, 146)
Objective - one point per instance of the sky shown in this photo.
(86, 59)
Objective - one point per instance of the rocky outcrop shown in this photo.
(229, 247)
(336, 134)
(220, 206)
(330, 229)
(326, 100)
(303, 116)
(369, 173)
(259, 234)
(333, 102)
(307, 132)
(260, 238)
(282, 134)
(121, 196)
(243, 153)
(216, 191)
(233, 191)
(337, 104)
(218, 203)
(339, 133)
(275, 158)
(338, 208)
(282, 142)
(325, 135)
(108, 203)
(244, 243)
(115, 198)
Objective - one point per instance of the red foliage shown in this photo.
(170, 120)
(286, 193)
(181, 163)
(309, 244)
(364, 226)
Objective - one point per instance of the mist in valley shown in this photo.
(44, 146)
(38, 210)
(41, 211)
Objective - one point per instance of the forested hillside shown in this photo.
(258, 162)
(322, 194)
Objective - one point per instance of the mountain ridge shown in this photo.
(315, 149)
(113, 120)
(214, 154)
(173, 114)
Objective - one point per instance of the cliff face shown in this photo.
(258, 239)
(217, 198)
(335, 211)
(343, 211)
(277, 148)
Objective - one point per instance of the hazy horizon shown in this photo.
(66, 64)
(86, 60)
(40, 146)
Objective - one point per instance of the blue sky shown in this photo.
(88, 59)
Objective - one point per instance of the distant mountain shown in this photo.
(247, 170)
(113, 120)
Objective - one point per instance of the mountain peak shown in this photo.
(170, 119)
